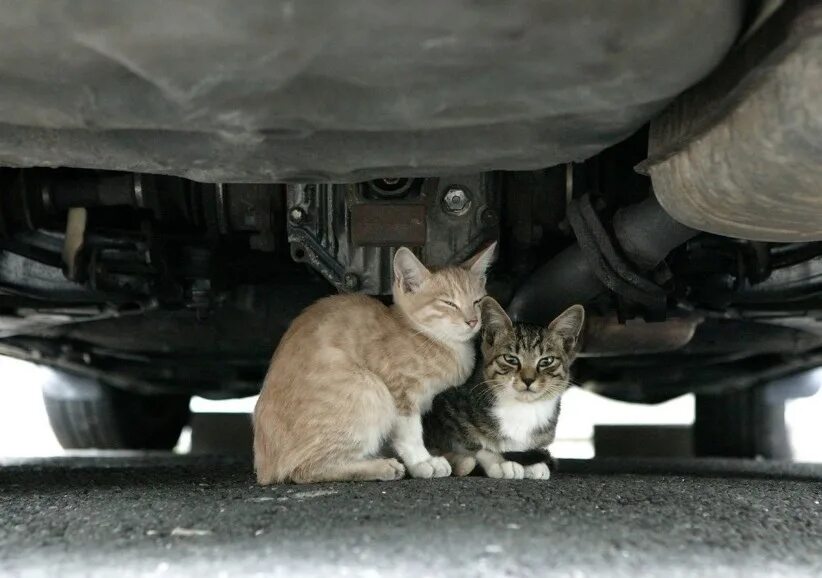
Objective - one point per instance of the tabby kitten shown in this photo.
(505, 416)
(351, 373)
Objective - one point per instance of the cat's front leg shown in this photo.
(407, 442)
(538, 464)
(538, 471)
(496, 466)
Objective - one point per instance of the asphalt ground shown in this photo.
(179, 516)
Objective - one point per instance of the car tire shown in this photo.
(87, 414)
(749, 423)
(742, 424)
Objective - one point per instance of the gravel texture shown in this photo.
(169, 516)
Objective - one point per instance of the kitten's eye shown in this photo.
(547, 362)
(478, 300)
(511, 359)
(449, 303)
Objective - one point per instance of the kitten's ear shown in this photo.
(568, 325)
(494, 319)
(479, 263)
(409, 272)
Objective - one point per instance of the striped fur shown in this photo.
(512, 401)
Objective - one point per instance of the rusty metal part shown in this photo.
(384, 225)
(606, 336)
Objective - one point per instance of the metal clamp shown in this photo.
(608, 265)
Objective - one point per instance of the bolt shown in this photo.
(297, 215)
(351, 281)
(298, 252)
(390, 188)
(489, 217)
(456, 201)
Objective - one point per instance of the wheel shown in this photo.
(741, 424)
(86, 414)
(749, 423)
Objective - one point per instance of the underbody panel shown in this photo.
(327, 135)
(254, 91)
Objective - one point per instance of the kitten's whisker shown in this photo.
(480, 384)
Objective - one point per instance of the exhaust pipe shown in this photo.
(644, 232)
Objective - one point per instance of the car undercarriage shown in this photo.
(174, 193)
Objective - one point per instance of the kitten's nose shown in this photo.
(528, 381)
(472, 323)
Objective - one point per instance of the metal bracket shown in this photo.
(75, 238)
(348, 233)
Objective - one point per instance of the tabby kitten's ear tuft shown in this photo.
(409, 272)
(568, 325)
(479, 263)
(494, 319)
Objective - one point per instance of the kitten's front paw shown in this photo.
(506, 471)
(435, 467)
(539, 471)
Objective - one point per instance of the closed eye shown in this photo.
(449, 303)
(478, 300)
(511, 359)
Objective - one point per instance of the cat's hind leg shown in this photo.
(461, 464)
(363, 470)
(325, 427)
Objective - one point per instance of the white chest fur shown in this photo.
(518, 421)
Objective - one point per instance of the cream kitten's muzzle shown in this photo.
(471, 328)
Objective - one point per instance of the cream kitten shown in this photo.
(351, 373)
